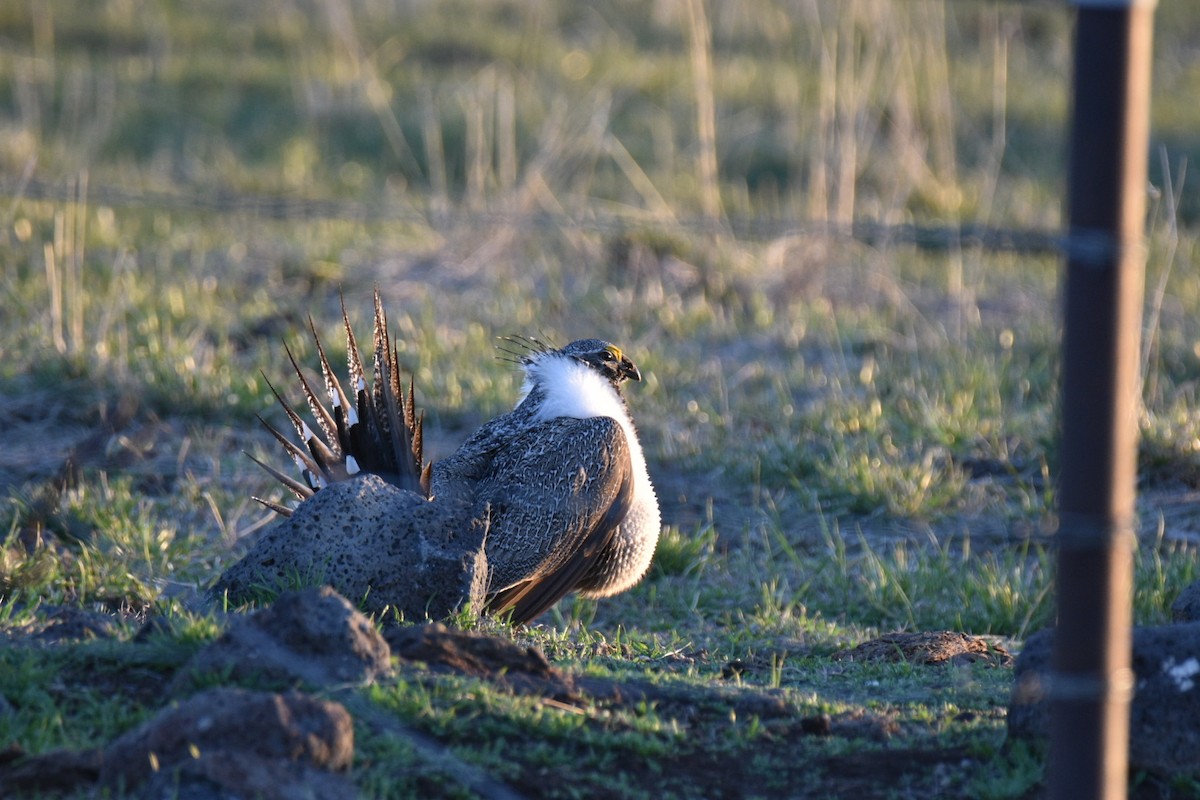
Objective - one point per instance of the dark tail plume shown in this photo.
(378, 431)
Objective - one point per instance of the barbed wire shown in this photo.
(758, 228)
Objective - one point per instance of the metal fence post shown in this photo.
(1091, 685)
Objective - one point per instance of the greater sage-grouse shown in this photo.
(549, 498)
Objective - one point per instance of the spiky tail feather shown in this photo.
(379, 431)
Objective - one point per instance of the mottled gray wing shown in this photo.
(555, 498)
(459, 474)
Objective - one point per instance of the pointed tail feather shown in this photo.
(375, 429)
(310, 459)
(301, 490)
(344, 416)
(361, 440)
(319, 412)
(282, 511)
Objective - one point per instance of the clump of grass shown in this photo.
(1010, 771)
(947, 585)
(102, 542)
(1162, 568)
(684, 555)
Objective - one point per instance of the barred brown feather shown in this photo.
(380, 433)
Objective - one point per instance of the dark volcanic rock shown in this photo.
(386, 547)
(314, 636)
(1164, 731)
(1186, 607)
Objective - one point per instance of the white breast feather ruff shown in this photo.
(575, 390)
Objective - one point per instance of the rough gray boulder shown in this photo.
(313, 636)
(1164, 731)
(1186, 607)
(385, 548)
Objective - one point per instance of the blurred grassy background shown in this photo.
(186, 182)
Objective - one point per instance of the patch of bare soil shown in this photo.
(893, 774)
(51, 435)
(525, 670)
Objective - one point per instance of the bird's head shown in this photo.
(605, 358)
(580, 380)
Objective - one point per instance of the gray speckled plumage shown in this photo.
(572, 421)
(553, 496)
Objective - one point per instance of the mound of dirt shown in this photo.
(59, 624)
(930, 647)
(313, 636)
(524, 670)
(218, 743)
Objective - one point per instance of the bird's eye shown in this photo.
(607, 355)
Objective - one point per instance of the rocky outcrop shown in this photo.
(1164, 730)
(388, 549)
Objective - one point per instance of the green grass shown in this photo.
(847, 438)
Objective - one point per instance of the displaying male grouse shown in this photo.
(559, 482)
